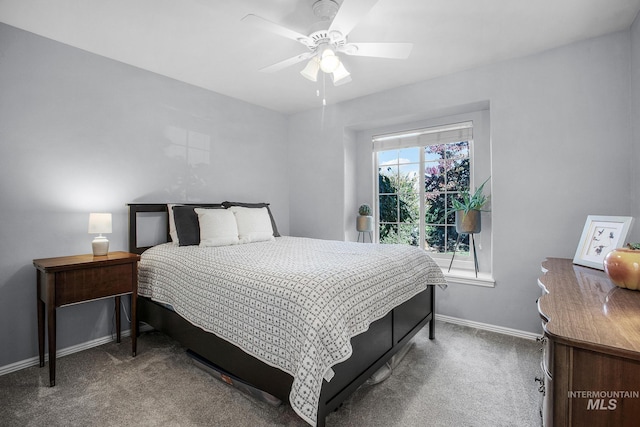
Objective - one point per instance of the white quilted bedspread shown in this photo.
(293, 303)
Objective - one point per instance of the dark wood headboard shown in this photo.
(135, 208)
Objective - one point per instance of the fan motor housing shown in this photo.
(325, 9)
(321, 37)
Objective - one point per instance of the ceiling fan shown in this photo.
(328, 38)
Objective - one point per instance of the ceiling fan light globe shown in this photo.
(329, 62)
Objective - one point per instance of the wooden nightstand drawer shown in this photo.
(93, 283)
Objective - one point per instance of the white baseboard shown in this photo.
(488, 327)
(34, 361)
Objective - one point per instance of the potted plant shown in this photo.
(468, 209)
(365, 220)
(622, 265)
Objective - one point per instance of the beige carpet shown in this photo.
(465, 377)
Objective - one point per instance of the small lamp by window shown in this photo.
(100, 223)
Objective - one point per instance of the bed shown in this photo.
(306, 320)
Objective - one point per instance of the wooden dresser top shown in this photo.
(582, 307)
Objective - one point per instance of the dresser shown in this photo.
(591, 348)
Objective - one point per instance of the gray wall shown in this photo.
(81, 133)
(560, 141)
(635, 125)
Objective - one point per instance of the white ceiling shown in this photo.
(203, 42)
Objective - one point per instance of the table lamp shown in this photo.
(100, 223)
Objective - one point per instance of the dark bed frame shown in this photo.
(371, 349)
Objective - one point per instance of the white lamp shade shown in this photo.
(311, 70)
(340, 75)
(99, 223)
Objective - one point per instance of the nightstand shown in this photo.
(80, 278)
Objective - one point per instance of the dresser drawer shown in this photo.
(93, 283)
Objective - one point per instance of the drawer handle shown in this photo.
(543, 341)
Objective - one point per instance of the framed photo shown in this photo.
(601, 235)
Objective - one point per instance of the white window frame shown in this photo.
(420, 139)
(462, 271)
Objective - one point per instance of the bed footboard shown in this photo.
(371, 349)
(374, 348)
(216, 350)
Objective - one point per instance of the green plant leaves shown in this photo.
(467, 202)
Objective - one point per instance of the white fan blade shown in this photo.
(278, 29)
(349, 14)
(287, 63)
(378, 50)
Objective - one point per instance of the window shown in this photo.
(420, 172)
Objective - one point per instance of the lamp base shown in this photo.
(100, 246)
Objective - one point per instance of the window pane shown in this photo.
(433, 177)
(409, 177)
(457, 175)
(435, 238)
(458, 150)
(409, 234)
(386, 180)
(463, 245)
(390, 173)
(435, 209)
(451, 213)
(409, 155)
(388, 233)
(433, 152)
(408, 207)
(388, 208)
(387, 157)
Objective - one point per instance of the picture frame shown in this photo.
(601, 235)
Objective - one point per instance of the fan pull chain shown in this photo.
(324, 89)
(324, 100)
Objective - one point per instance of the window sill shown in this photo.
(468, 277)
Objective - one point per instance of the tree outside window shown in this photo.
(447, 174)
(399, 196)
(434, 174)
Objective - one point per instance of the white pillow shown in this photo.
(217, 227)
(254, 224)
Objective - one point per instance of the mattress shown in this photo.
(294, 303)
